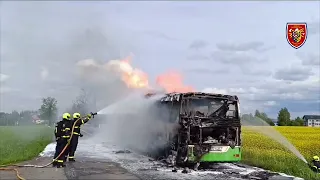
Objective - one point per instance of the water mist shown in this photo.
(134, 122)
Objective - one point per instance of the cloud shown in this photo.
(313, 27)
(254, 45)
(56, 45)
(273, 93)
(198, 57)
(44, 73)
(4, 89)
(158, 34)
(293, 73)
(108, 30)
(270, 103)
(215, 90)
(239, 58)
(246, 70)
(4, 77)
(198, 44)
(207, 70)
(309, 59)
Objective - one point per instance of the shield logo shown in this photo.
(296, 34)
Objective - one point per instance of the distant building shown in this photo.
(275, 121)
(35, 118)
(311, 120)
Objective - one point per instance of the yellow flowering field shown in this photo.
(262, 151)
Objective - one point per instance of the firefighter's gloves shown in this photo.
(81, 135)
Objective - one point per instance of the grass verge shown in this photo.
(261, 151)
(20, 143)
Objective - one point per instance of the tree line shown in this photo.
(48, 112)
(283, 119)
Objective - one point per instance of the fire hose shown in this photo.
(13, 167)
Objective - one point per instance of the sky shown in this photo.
(229, 47)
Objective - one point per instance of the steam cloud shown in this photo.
(62, 33)
(135, 122)
(131, 120)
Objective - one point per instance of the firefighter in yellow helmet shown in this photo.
(61, 139)
(316, 164)
(77, 122)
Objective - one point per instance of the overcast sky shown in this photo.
(231, 47)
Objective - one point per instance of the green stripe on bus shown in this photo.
(232, 155)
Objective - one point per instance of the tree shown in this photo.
(13, 118)
(264, 116)
(81, 104)
(284, 117)
(297, 122)
(48, 109)
(26, 117)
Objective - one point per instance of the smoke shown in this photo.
(43, 41)
(58, 48)
(102, 80)
(135, 122)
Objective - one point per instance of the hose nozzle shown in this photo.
(93, 114)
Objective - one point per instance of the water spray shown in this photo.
(260, 126)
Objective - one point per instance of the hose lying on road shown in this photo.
(11, 167)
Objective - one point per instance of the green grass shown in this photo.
(261, 151)
(20, 143)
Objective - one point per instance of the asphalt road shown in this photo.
(91, 168)
(105, 161)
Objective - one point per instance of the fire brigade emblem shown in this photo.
(296, 34)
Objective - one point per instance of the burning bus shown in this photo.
(207, 128)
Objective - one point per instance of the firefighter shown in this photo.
(316, 164)
(77, 122)
(61, 139)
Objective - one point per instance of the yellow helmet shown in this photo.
(76, 115)
(66, 116)
(316, 158)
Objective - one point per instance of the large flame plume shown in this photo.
(134, 78)
(171, 81)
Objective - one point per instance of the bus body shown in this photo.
(207, 127)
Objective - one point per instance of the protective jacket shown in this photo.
(78, 124)
(61, 139)
(316, 163)
(60, 129)
(58, 132)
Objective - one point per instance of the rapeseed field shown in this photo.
(262, 151)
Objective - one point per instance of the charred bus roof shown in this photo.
(196, 95)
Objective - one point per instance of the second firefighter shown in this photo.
(77, 122)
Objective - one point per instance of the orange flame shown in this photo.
(134, 78)
(173, 82)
